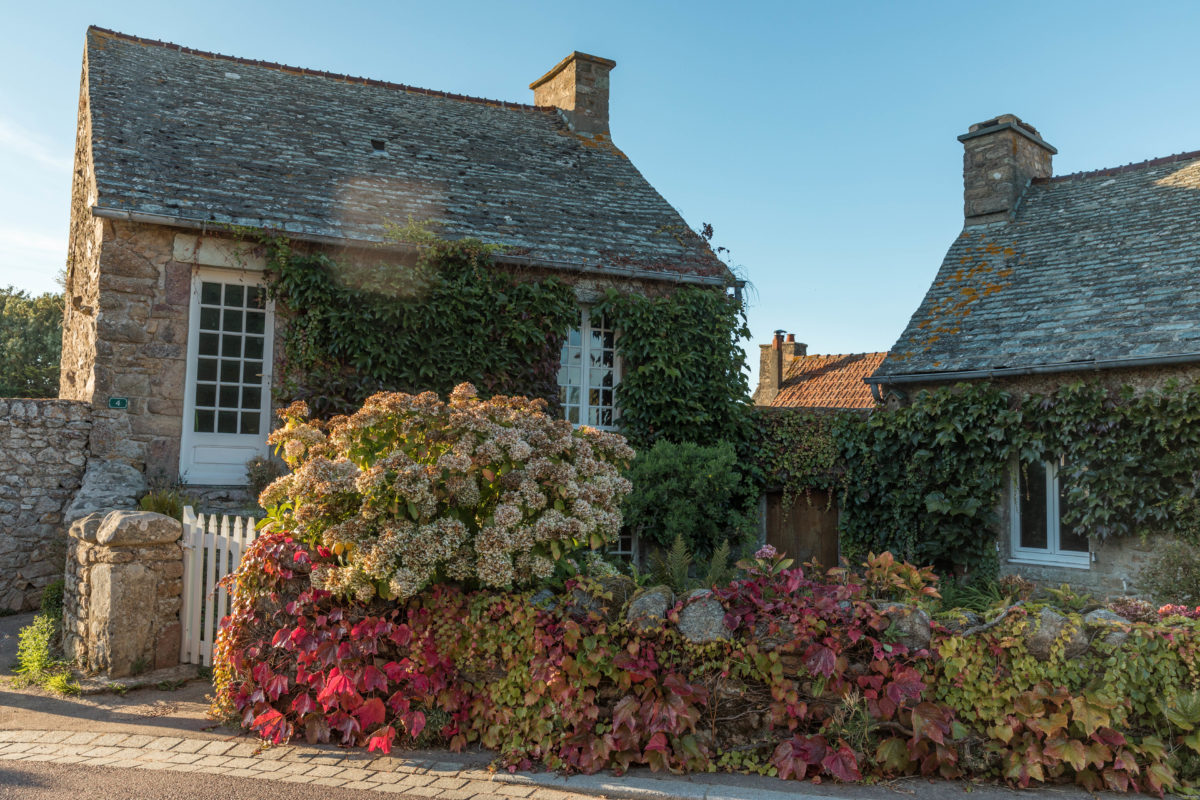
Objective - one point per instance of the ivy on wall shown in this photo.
(684, 376)
(359, 326)
(795, 450)
(926, 480)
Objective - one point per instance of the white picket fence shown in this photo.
(212, 548)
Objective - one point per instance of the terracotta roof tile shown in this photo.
(828, 381)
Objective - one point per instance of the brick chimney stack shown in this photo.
(578, 86)
(1001, 156)
(773, 361)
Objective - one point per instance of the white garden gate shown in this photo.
(212, 549)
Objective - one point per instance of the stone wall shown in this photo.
(43, 450)
(123, 591)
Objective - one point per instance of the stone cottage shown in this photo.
(168, 333)
(168, 337)
(1091, 276)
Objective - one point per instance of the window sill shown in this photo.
(1050, 561)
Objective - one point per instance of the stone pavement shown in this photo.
(332, 766)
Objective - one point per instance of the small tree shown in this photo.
(30, 343)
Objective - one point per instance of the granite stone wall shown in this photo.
(43, 450)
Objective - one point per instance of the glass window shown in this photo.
(588, 372)
(1037, 504)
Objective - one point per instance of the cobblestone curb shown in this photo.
(331, 766)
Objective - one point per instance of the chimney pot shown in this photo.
(577, 86)
(791, 337)
(1001, 156)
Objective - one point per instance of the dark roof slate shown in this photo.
(196, 135)
(1095, 266)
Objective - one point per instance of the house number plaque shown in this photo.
(118, 402)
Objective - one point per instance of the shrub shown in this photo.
(167, 501)
(261, 472)
(411, 490)
(1173, 574)
(692, 491)
(806, 686)
(39, 643)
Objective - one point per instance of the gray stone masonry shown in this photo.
(124, 588)
(43, 450)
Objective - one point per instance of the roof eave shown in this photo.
(1035, 369)
(640, 273)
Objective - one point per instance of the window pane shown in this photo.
(1033, 505)
(204, 422)
(574, 338)
(229, 396)
(230, 371)
(210, 294)
(254, 347)
(206, 395)
(256, 322)
(1068, 539)
(251, 398)
(210, 319)
(227, 422)
(573, 414)
(209, 342)
(206, 369)
(573, 396)
(257, 298)
(249, 422)
(252, 373)
(232, 345)
(233, 320)
(234, 295)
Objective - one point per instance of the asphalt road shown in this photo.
(40, 781)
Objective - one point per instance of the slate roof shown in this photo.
(828, 381)
(1096, 266)
(200, 136)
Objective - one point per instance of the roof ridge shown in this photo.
(1099, 173)
(338, 76)
(842, 355)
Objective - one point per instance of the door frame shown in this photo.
(188, 473)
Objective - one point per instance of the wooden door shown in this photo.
(806, 531)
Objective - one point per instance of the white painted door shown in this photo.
(227, 409)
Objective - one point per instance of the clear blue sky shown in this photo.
(818, 138)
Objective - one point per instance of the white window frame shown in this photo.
(239, 448)
(1053, 554)
(585, 330)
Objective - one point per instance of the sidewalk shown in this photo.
(161, 729)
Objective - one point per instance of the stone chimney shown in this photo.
(578, 86)
(1001, 156)
(773, 360)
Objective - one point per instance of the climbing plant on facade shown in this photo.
(359, 326)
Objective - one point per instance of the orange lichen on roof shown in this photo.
(828, 381)
(964, 287)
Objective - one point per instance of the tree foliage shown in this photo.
(30, 343)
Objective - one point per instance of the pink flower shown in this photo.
(766, 551)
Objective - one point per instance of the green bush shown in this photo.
(693, 491)
(1173, 574)
(30, 342)
(39, 646)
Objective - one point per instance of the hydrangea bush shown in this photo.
(412, 490)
